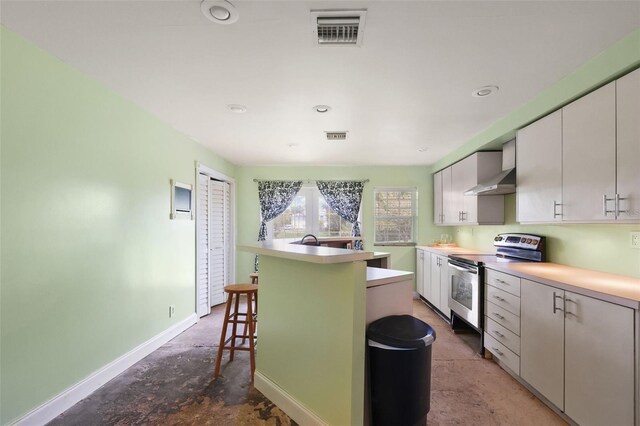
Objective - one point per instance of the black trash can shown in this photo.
(400, 370)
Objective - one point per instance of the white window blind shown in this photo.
(395, 215)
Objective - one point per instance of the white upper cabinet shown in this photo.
(437, 199)
(539, 170)
(628, 147)
(460, 209)
(464, 176)
(449, 204)
(589, 157)
(580, 164)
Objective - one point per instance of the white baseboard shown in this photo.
(294, 409)
(71, 396)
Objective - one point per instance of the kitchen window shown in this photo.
(395, 215)
(309, 213)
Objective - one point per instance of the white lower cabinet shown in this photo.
(542, 340)
(432, 280)
(578, 352)
(599, 362)
(420, 271)
(502, 318)
(440, 283)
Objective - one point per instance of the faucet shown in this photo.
(317, 243)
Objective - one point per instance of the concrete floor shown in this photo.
(175, 386)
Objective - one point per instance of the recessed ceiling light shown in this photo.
(322, 108)
(485, 91)
(219, 11)
(238, 109)
(423, 149)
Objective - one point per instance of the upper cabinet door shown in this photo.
(449, 212)
(463, 177)
(437, 198)
(589, 157)
(628, 146)
(539, 171)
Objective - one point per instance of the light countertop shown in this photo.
(380, 276)
(601, 285)
(305, 253)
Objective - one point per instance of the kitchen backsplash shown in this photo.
(603, 247)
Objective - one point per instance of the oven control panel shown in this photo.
(525, 241)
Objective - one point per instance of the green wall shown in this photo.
(610, 64)
(402, 258)
(90, 260)
(312, 334)
(605, 247)
(600, 247)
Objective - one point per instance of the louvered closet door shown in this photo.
(203, 307)
(218, 238)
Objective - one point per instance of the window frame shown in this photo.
(414, 216)
(312, 213)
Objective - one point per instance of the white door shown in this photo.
(218, 240)
(437, 198)
(542, 339)
(628, 146)
(203, 307)
(420, 271)
(539, 171)
(589, 157)
(599, 362)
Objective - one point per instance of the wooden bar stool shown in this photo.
(254, 278)
(247, 318)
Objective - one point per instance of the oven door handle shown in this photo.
(460, 268)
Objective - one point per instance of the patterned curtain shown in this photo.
(275, 196)
(344, 197)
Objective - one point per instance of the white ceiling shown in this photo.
(408, 86)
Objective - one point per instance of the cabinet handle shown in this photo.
(499, 298)
(618, 199)
(502, 281)
(497, 333)
(555, 209)
(498, 351)
(605, 200)
(464, 216)
(497, 315)
(566, 312)
(555, 308)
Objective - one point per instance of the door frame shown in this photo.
(231, 261)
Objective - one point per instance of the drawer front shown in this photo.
(502, 335)
(503, 281)
(501, 352)
(503, 299)
(503, 317)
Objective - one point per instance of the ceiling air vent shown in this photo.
(336, 136)
(338, 27)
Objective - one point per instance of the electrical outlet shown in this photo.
(635, 239)
(172, 310)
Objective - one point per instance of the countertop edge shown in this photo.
(380, 276)
(312, 254)
(584, 290)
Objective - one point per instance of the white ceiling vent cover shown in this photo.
(338, 27)
(336, 136)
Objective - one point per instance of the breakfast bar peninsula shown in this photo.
(315, 303)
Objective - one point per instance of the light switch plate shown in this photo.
(635, 239)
